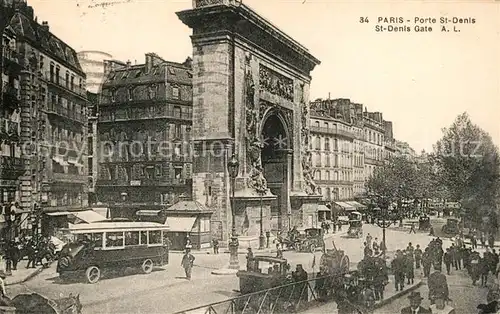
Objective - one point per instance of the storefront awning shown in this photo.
(89, 216)
(147, 212)
(345, 206)
(180, 224)
(64, 213)
(356, 204)
(323, 208)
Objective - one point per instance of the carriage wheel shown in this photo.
(312, 248)
(344, 264)
(93, 274)
(147, 266)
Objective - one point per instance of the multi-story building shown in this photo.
(92, 63)
(389, 141)
(144, 124)
(373, 142)
(358, 152)
(404, 149)
(332, 144)
(11, 164)
(53, 118)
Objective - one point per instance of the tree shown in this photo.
(468, 166)
(395, 180)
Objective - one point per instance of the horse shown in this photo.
(36, 304)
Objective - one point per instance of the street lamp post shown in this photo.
(382, 203)
(233, 169)
(262, 238)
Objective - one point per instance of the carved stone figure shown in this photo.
(310, 185)
(256, 178)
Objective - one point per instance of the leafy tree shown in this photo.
(468, 166)
(395, 180)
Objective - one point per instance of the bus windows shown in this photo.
(154, 237)
(144, 237)
(97, 240)
(114, 239)
(132, 238)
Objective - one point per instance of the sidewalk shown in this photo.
(390, 294)
(22, 274)
(271, 249)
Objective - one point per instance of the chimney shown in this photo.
(128, 64)
(45, 26)
(149, 62)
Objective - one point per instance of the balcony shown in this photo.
(333, 182)
(163, 114)
(333, 131)
(61, 82)
(9, 128)
(11, 95)
(11, 167)
(10, 57)
(372, 161)
(142, 182)
(69, 177)
(58, 110)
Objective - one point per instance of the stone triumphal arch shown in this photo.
(250, 97)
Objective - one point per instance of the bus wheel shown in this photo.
(93, 274)
(147, 266)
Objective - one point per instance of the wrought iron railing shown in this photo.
(289, 298)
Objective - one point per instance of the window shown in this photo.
(178, 172)
(175, 92)
(178, 131)
(72, 82)
(326, 125)
(316, 124)
(114, 239)
(67, 79)
(51, 72)
(327, 144)
(57, 74)
(132, 238)
(130, 93)
(155, 237)
(144, 237)
(113, 96)
(177, 111)
(40, 64)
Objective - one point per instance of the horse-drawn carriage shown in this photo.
(424, 223)
(308, 240)
(35, 303)
(355, 229)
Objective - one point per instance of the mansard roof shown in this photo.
(37, 35)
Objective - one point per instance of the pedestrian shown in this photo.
(484, 269)
(409, 271)
(431, 231)
(415, 305)
(473, 241)
(412, 228)
(438, 285)
(483, 240)
(375, 245)
(369, 240)
(380, 278)
(250, 261)
(440, 306)
(448, 260)
(279, 250)
(491, 240)
(418, 256)
(367, 250)
(398, 268)
(187, 263)
(426, 262)
(475, 261)
(215, 244)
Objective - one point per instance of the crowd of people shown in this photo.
(38, 250)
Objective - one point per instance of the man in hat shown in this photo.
(398, 268)
(438, 285)
(415, 308)
(440, 306)
(187, 263)
(250, 259)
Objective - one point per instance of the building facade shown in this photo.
(373, 125)
(332, 143)
(11, 164)
(144, 130)
(92, 63)
(53, 120)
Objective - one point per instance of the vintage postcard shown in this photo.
(249, 156)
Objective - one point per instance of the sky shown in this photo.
(419, 80)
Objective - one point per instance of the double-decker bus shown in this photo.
(103, 246)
